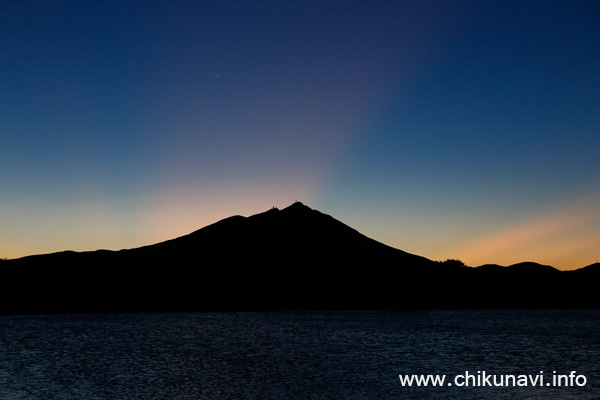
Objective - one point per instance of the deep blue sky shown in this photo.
(466, 129)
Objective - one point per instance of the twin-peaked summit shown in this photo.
(294, 235)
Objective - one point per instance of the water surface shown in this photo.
(300, 355)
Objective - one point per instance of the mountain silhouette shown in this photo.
(296, 258)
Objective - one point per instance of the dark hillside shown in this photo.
(295, 258)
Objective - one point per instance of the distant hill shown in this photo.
(289, 259)
(591, 270)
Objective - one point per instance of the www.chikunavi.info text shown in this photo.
(482, 379)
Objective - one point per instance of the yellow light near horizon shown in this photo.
(560, 238)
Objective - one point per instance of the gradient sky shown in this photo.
(463, 129)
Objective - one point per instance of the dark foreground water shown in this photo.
(320, 355)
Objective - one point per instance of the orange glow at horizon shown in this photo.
(564, 239)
